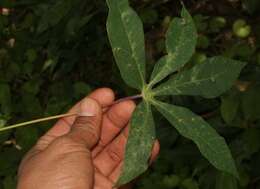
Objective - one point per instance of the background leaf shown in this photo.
(251, 103)
(226, 181)
(210, 143)
(251, 5)
(54, 15)
(209, 79)
(5, 98)
(76, 49)
(181, 41)
(9, 183)
(125, 32)
(139, 144)
(229, 107)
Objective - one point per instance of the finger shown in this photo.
(83, 127)
(114, 121)
(107, 160)
(102, 182)
(155, 151)
(114, 176)
(104, 96)
(86, 129)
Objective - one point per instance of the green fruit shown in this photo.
(221, 20)
(244, 32)
(217, 23)
(241, 29)
(171, 181)
(238, 24)
(203, 42)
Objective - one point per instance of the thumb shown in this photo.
(86, 127)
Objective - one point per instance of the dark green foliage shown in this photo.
(48, 61)
(142, 134)
(211, 79)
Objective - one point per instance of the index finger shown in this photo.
(114, 121)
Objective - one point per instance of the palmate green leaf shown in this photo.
(209, 79)
(181, 41)
(210, 143)
(139, 144)
(126, 35)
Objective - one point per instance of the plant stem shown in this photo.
(127, 98)
(62, 115)
(36, 121)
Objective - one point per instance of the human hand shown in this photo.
(81, 152)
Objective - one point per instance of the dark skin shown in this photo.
(83, 152)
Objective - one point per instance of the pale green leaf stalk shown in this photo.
(36, 121)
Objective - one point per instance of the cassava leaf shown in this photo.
(210, 143)
(209, 79)
(224, 180)
(139, 145)
(229, 107)
(251, 103)
(54, 15)
(181, 41)
(126, 35)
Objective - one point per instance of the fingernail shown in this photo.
(86, 114)
(88, 108)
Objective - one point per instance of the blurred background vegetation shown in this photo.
(53, 53)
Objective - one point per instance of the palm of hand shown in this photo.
(59, 162)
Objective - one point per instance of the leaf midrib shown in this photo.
(156, 92)
(169, 54)
(128, 40)
(146, 105)
(176, 118)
